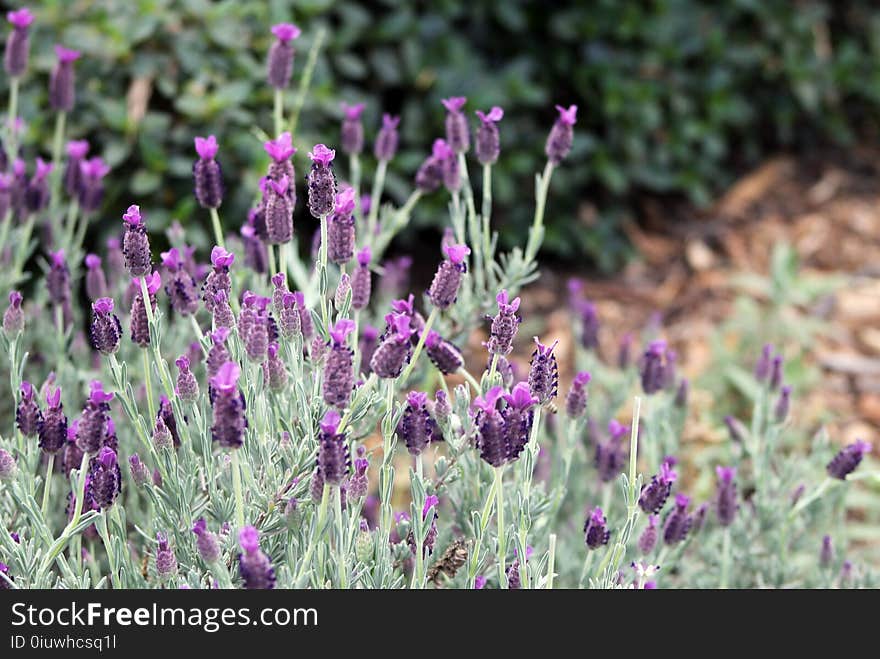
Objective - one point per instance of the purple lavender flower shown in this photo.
(15, 59)
(609, 458)
(429, 176)
(206, 542)
(207, 175)
(352, 137)
(166, 561)
(444, 288)
(449, 167)
(361, 281)
(91, 190)
(653, 367)
(725, 496)
(736, 429)
(488, 141)
(254, 566)
(218, 280)
(321, 181)
(648, 539)
(218, 354)
(333, 461)
(166, 414)
(139, 472)
(576, 400)
(280, 151)
(518, 419)
(136, 244)
(279, 66)
(229, 422)
(96, 283)
(76, 153)
(846, 461)
(504, 325)
(596, 531)
(105, 330)
(58, 278)
(416, 427)
(13, 317)
(783, 405)
(306, 324)
(457, 133)
(442, 407)
(91, 433)
(543, 372)
(776, 373)
(762, 367)
(62, 87)
(367, 343)
(826, 555)
(491, 437)
(140, 326)
(561, 135)
(288, 316)
(253, 326)
(256, 256)
(655, 493)
(73, 454)
(339, 367)
(187, 387)
(274, 369)
(678, 522)
(180, 286)
(115, 258)
(443, 354)
(28, 417)
(278, 204)
(385, 147)
(8, 467)
(53, 427)
(394, 351)
(104, 482)
(340, 229)
(358, 483)
(36, 195)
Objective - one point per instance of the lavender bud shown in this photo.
(762, 367)
(339, 367)
(218, 355)
(518, 419)
(139, 472)
(96, 283)
(136, 244)
(457, 133)
(279, 66)
(395, 349)
(254, 566)
(445, 356)
(222, 315)
(725, 496)
(333, 461)
(207, 175)
(316, 486)
(278, 204)
(416, 427)
(361, 283)
(53, 427)
(776, 373)
(58, 278)
(783, 404)
(8, 468)
(429, 176)
(504, 325)
(28, 417)
(91, 189)
(678, 522)
(343, 289)
(307, 326)
(386, 141)
(543, 372)
(450, 170)
(846, 461)
(161, 436)
(13, 317)
(218, 280)
(292, 513)
(609, 458)
(180, 286)
(596, 532)
(253, 327)
(91, 434)
(15, 59)
(104, 481)
(140, 325)
(321, 181)
(444, 287)
(488, 142)
(166, 561)
(735, 429)
(442, 407)
(352, 137)
(105, 330)
(206, 542)
(648, 539)
(561, 135)
(655, 493)
(340, 229)
(491, 436)
(229, 422)
(826, 555)
(576, 400)
(514, 580)
(364, 544)
(358, 483)
(62, 88)
(288, 316)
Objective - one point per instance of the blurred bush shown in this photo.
(676, 96)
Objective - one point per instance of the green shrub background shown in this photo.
(676, 97)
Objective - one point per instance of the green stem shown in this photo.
(725, 560)
(237, 490)
(270, 250)
(47, 486)
(585, 570)
(551, 562)
(536, 233)
(104, 530)
(322, 275)
(151, 403)
(432, 317)
(58, 546)
(278, 112)
(218, 229)
(375, 198)
(485, 217)
(11, 116)
(484, 523)
(319, 525)
(341, 562)
(55, 176)
(502, 534)
(306, 79)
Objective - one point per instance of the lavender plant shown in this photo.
(270, 457)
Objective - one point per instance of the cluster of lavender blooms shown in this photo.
(232, 419)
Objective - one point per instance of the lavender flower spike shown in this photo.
(187, 386)
(678, 522)
(135, 243)
(279, 66)
(91, 190)
(491, 437)
(504, 325)
(333, 461)
(15, 59)
(76, 152)
(166, 561)
(361, 280)
(444, 288)
(596, 532)
(340, 228)
(488, 141)
(385, 147)
(394, 352)
(725, 496)
(576, 400)
(104, 481)
(13, 317)
(53, 427)
(229, 420)
(206, 542)
(457, 134)
(339, 366)
(648, 539)
(8, 468)
(105, 330)
(207, 175)
(62, 87)
(28, 417)
(543, 372)
(653, 367)
(846, 461)
(254, 566)
(417, 427)
(561, 135)
(429, 176)
(352, 136)
(655, 493)
(443, 354)
(321, 181)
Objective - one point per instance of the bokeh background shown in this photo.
(677, 98)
